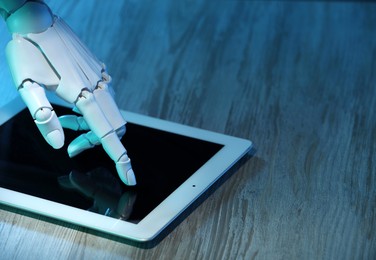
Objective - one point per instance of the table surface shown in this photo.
(296, 78)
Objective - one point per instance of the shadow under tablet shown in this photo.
(162, 161)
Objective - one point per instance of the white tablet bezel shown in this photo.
(167, 211)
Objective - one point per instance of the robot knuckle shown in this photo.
(43, 114)
(85, 94)
(102, 86)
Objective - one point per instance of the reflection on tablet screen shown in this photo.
(162, 161)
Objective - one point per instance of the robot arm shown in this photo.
(45, 53)
(24, 16)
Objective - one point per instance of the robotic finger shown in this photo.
(43, 114)
(73, 122)
(110, 110)
(102, 128)
(82, 143)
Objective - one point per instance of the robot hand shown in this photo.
(45, 54)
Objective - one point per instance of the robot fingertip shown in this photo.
(131, 178)
(55, 139)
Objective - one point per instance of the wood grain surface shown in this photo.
(296, 78)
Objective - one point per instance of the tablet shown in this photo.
(174, 165)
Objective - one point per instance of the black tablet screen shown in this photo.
(161, 160)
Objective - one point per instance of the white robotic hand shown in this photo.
(55, 59)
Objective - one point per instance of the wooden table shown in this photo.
(297, 78)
